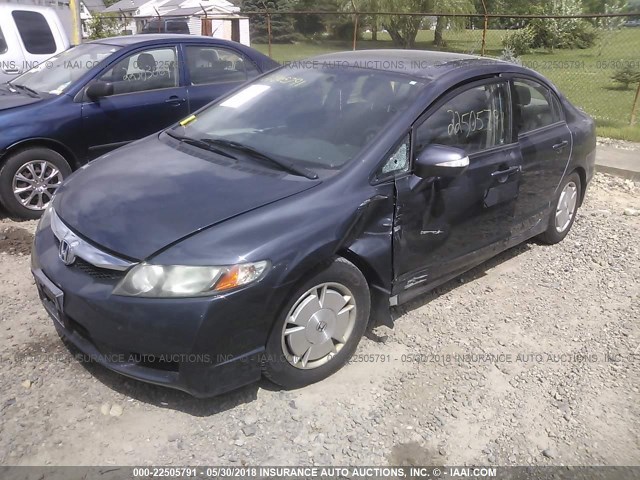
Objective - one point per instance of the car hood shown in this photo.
(145, 196)
(9, 99)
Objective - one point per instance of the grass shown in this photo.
(584, 76)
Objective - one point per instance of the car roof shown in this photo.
(419, 63)
(21, 6)
(151, 38)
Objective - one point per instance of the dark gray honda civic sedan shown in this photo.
(264, 233)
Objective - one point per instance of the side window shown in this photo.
(534, 106)
(251, 69)
(398, 161)
(208, 65)
(474, 120)
(144, 71)
(34, 32)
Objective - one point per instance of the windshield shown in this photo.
(54, 75)
(320, 117)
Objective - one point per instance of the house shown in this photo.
(215, 18)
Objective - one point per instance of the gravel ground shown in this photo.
(526, 360)
(619, 144)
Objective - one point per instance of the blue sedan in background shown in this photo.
(104, 94)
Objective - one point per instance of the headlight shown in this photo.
(146, 280)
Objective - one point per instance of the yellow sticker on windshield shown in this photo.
(187, 121)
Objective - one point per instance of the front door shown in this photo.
(445, 225)
(147, 98)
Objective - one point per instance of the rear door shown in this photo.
(545, 143)
(147, 97)
(444, 225)
(212, 71)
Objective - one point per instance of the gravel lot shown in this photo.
(561, 387)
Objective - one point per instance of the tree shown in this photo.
(563, 32)
(282, 30)
(450, 6)
(314, 24)
(602, 6)
(365, 6)
(103, 25)
(403, 29)
(626, 75)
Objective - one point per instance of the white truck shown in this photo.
(29, 35)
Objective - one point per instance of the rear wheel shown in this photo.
(28, 180)
(320, 327)
(564, 211)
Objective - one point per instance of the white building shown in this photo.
(215, 18)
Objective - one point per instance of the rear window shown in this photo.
(34, 32)
(153, 27)
(177, 27)
(3, 43)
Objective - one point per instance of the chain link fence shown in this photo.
(593, 59)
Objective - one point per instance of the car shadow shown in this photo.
(619, 88)
(7, 217)
(165, 397)
(4, 215)
(462, 279)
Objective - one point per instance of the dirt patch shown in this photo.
(15, 240)
(414, 454)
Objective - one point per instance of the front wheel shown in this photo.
(28, 180)
(319, 329)
(564, 211)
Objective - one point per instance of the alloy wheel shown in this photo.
(35, 182)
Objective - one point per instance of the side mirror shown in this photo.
(99, 89)
(440, 161)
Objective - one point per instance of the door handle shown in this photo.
(174, 100)
(504, 174)
(560, 146)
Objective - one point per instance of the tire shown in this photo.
(336, 280)
(559, 223)
(26, 165)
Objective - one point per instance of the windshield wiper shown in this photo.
(198, 143)
(289, 167)
(24, 87)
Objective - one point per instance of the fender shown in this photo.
(367, 243)
(56, 145)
